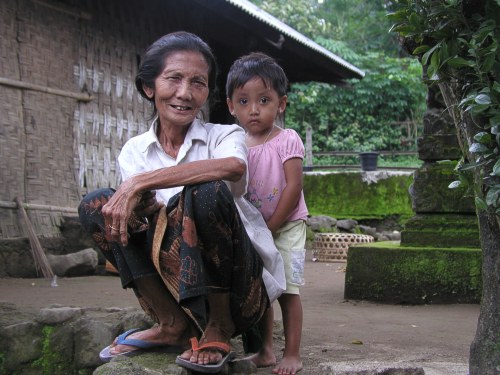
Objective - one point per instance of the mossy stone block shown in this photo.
(387, 272)
(445, 230)
(437, 121)
(347, 195)
(430, 192)
(439, 147)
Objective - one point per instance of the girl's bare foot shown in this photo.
(288, 366)
(264, 358)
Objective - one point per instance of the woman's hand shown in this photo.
(119, 208)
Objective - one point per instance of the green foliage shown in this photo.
(381, 112)
(302, 15)
(362, 24)
(405, 161)
(458, 44)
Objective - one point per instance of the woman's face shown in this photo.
(181, 89)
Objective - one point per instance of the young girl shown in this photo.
(256, 96)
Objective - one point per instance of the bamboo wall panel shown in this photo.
(12, 137)
(45, 56)
(54, 148)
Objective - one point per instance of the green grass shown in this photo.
(408, 161)
(404, 161)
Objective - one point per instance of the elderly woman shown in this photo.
(198, 256)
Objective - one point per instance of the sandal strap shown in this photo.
(194, 343)
(222, 346)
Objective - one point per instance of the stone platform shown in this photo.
(340, 336)
(389, 273)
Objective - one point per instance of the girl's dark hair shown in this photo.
(256, 64)
(153, 61)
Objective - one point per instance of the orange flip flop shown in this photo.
(225, 349)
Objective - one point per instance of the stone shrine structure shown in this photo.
(439, 257)
(444, 217)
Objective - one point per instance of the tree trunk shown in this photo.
(485, 349)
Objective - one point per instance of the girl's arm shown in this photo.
(290, 195)
(119, 208)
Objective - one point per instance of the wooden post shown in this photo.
(309, 157)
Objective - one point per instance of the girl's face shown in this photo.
(256, 106)
(181, 89)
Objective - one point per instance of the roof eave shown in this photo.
(350, 71)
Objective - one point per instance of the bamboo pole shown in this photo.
(31, 86)
(73, 12)
(42, 207)
(41, 261)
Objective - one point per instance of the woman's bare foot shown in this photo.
(264, 358)
(220, 328)
(288, 366)
(154, 335)
(210, 356)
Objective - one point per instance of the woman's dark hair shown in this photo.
(256, 64)
(153, 61)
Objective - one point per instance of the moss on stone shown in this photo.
(440, 238)
(461, 222)
(395, 245)
(387, 272)
(441, 230)
(346, 195)
(50, 361)
(431, 192)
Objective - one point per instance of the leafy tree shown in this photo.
(302, 15)
(366, 115)
(457, 42)
(362, 23)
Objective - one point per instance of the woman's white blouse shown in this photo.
(204, 141)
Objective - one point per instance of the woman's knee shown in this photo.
(90, 207)
(212, 196)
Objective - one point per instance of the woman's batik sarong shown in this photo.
(205, 249)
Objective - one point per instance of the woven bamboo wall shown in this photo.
(106, 69)
(55, 148)
(12, 138)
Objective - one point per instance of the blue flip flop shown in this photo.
(143, 346)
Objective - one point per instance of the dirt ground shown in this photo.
(435, 337)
